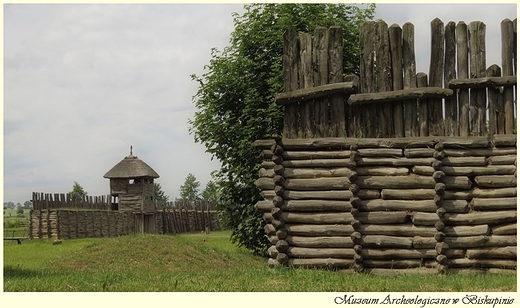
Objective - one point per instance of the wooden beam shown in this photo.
(316, 92)
(414, 93)
(484, 82)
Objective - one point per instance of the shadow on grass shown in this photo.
(17, 272)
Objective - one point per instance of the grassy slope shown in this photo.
(196, 262)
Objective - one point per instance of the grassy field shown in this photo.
(15, 225)
(197, 263)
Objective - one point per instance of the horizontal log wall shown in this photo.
(387, 205)
(69, 224)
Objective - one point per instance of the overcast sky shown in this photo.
(84, 82)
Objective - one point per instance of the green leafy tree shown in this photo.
(210, 193)
(189, 191)
(27, 205)
(160, 196)
(235, 99)
(9, 205)
(77, 192)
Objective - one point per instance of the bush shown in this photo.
(10, 224)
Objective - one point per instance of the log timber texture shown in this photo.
(397, 204)
(375, 172)
(70, 223)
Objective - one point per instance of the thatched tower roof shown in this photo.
(131, 167)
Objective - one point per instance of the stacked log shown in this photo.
(275, 228)
(439, 176)
(67, 224)
(118, 224)
(53, 224)
(104, 224)
(89, 217)
(88, 222)
(96, 223)
(492, 204)
(355, 202)
(112, 223)
(70, 224)
(35, 224)
(379, 205)
(73, 224)
(45, 223)
(82, 222)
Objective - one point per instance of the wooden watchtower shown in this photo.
(131, 185)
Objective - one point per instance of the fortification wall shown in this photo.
(378, 205)
(69, 224)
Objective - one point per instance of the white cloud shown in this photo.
(84, 82)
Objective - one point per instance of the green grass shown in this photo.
(11, 213)
(15, 225)
(197, 262)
